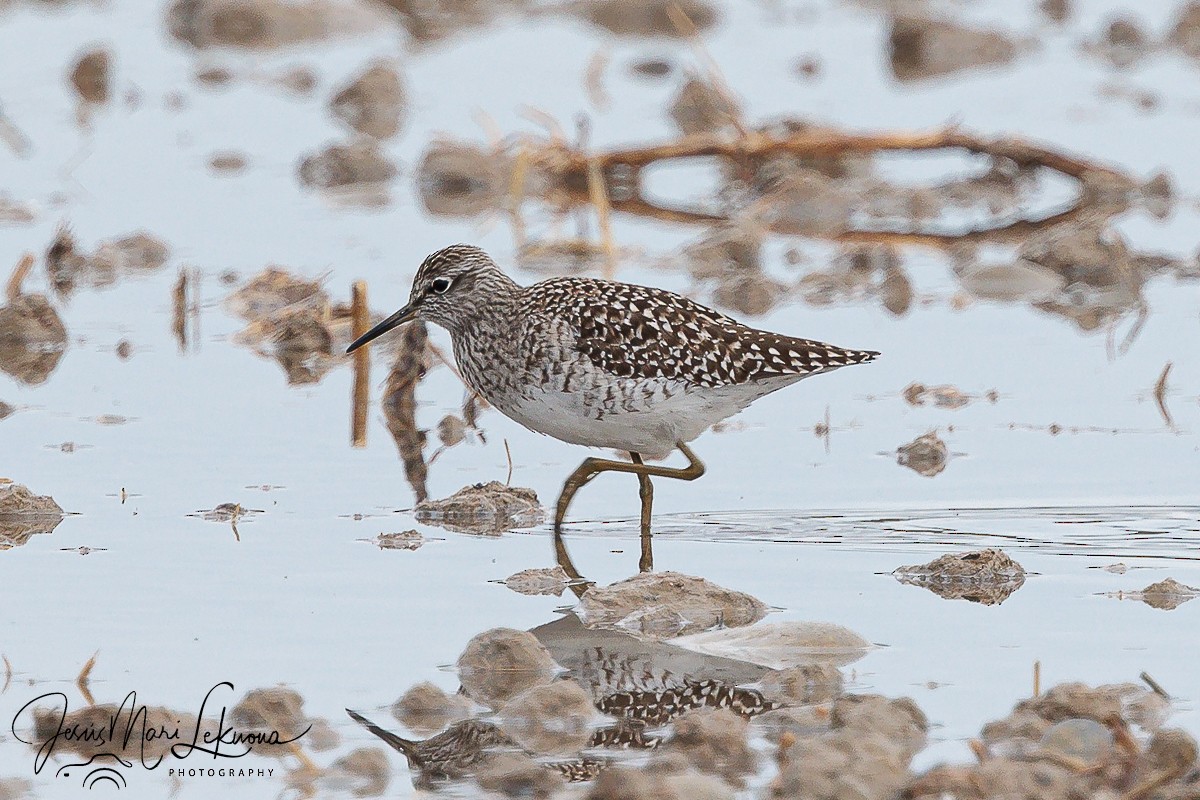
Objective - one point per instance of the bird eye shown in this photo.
(440, 286)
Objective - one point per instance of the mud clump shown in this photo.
(551, 718)
(426, 709)
(548, 581)
(713, 740)
(1122, 42)
(1030, 719)
(359, 164)
(998, 777)
(701, 107)
(899, 720)
(265, 24)
(23, 514)
(667, 604)
(459, 180)
(364, 772)
(262, 708)
(648, 17)
(864, 753)
(944, 396)
(32, 338)
(6, 410)
(519, 776)
(373, 103)
(90, 76)
(272, 709)
(660, 781)
(227, 162)
(926, 455)
(404, 540)
(922, 48)
(1185, 33)
(499, 664)
(805, 684)
(293, 321)
(485, 508)
(101, 716)
(981, 576)
(859, 765)
(1168, 594)
(135, 253)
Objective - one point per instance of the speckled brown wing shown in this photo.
(641, 332)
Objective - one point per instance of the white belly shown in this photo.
(651, 427)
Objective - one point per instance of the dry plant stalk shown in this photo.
(360, 320)
(19, 273)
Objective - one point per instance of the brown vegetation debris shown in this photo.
(667, 604)
(539, 581)
(926, 47)
(484, 508)
(713, 740)
(228, 162)
(32, 338)
(461, 180)
(426, 709)
(981, 576)
(293, 321)
(405, 540)
(500, 663)
(23, 514)
(1121, 43)
(90, 76)
(941, 396)
(1167, 594)
(648, 17)
(702, 107)
(266, 24)
(554, 718)
(359, 164)
(373, 103)
(133, 254)
(926, 455)
(1185, 32)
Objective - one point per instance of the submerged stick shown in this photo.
(360, 320)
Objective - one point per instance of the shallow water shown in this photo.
(811, 525)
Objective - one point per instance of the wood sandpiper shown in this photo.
(604, 364)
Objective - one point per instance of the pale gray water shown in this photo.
(175, 604)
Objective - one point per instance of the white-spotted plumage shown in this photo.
(603, 363)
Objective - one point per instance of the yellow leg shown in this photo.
(646, 493)
(591, 467)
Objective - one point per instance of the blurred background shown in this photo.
(1001, 197)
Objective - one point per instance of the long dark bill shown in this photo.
(394, 321)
